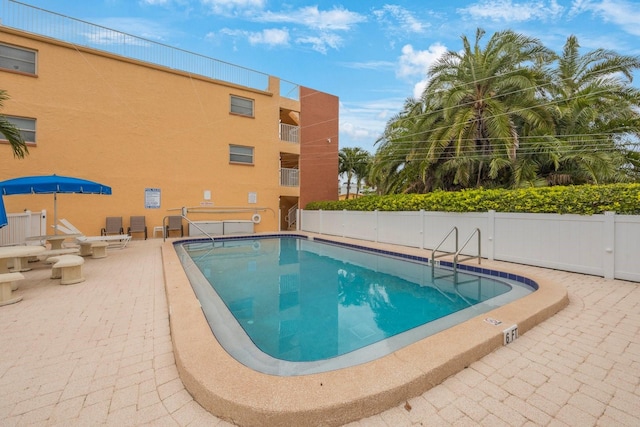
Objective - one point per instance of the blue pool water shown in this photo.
(297, 305)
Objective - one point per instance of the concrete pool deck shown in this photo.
(100, 352)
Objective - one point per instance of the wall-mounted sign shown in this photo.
(253, 197)
(152, 198)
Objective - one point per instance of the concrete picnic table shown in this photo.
(17, 253)
(9, 279)
(55, 240)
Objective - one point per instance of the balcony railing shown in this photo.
(289, 133)
(289, 177)
(24, 17)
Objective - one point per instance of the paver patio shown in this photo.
(99, 353)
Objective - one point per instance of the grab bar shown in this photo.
(456, 260)
(433, 252)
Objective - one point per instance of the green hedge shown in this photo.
(582, 199)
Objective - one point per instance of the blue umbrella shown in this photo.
(51, 184)
(3, 214)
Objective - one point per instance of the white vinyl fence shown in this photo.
(23, 225)
(603, 245)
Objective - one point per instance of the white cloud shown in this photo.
(155, 2)
(281, 37)
(416, 63)
(229, 32)
(357, 133)
(623, 13)
(400, 19)
(319, 28)
(512, 11)
(321, 42)
(336, 19)
(309, 26)
(223, 7)
(371, 65)
(362, 123)
(271, 37)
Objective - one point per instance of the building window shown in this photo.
(240, 154)
(27, 128)
(242, 106)
(17, 59)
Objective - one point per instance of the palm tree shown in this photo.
(512, 114)
(353, 161)
(361, 171)
(399, 164)
(596, 111)
(11, 133)
(486, 95)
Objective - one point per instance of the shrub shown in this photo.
(582, 200)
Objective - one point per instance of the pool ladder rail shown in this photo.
(456, 255)
(185, 210)
(184, 216)
(456, 259)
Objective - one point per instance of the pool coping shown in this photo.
(236, 393)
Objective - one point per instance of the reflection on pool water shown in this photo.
(288, 305)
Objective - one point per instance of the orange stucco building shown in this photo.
(163, 137)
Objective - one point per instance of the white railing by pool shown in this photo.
(289, 133)
(602, 245)
(22, 225)
(24, 17)
(289, 177)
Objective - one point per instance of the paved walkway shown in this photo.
(99, 353)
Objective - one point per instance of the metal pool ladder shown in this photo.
(458, 251)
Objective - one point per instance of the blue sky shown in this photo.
(371, 54)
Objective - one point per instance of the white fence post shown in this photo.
(491, 232)
(421, 228)
(344, 222)
(42, 227)
(609, 243)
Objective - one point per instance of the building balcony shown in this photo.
(289, 177)
(289, 133)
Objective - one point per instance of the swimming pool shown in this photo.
(288, 305)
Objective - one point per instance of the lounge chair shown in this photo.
(174, 224)
(114, 226)
(137, 224)
(114, 240)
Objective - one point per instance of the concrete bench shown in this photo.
(67, 268)
(8, 283)
(97, 249)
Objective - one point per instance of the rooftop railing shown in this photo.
(34, 20)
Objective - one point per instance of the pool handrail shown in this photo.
(456, 258)
(433, 252)
(458, 251)
(164, 224)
